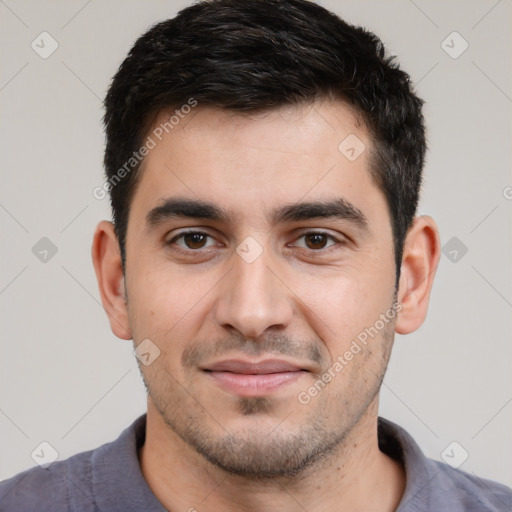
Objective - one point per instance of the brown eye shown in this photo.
(316, 240)
(195, 240)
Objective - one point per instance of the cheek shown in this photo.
(342, 305)
(167, 307)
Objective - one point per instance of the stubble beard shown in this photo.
(264, 454)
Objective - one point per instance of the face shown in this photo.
(259, 261)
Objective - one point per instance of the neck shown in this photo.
(182, 479)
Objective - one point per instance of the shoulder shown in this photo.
(52, 489)
(107, 478)
(432, 485)
(469, 492)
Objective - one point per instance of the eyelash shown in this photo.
(188, 251)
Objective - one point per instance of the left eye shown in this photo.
(315, 241)
(193, 240)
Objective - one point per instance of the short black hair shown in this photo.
(258, 55)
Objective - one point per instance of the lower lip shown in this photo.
(254, 385)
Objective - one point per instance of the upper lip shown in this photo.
(253, 368)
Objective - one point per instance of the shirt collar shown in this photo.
(420, 472)
(118, 482)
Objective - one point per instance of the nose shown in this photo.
(254, 298)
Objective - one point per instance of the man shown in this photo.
(264, 163)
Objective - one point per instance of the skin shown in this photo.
(303, 300)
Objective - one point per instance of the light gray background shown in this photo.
(66, 379)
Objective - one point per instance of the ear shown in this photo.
(422, 250)
(106, 258)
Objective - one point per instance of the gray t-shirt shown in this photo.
(109, 479)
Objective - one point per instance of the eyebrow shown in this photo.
(185, 208)
(337, 208)
(197, 209)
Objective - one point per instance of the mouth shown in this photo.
(247, 378)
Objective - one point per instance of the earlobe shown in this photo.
(106, 258)
(419, 263)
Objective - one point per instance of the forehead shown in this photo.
(250, 163)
